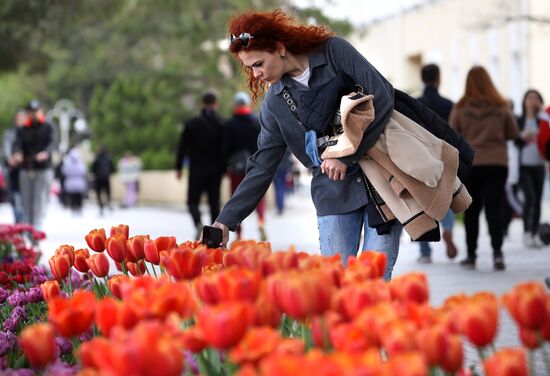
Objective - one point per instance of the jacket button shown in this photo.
(358, 180)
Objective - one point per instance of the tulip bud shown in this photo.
(527, 304)
(80, 257)
(506, 362)
(123, 230)
(135, 246)
(67, 250)
(50, 289)
(96, 240)
(38, 344)
(99, 265)
(60, 266)
(117, 247)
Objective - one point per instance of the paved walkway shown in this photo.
(297, 226)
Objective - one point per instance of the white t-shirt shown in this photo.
(303, 78)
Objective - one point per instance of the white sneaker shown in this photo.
(537, 241)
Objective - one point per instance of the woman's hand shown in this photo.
(225, 233)
(335, 169)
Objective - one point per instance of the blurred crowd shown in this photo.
(507, 179)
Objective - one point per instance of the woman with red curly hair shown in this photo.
(304, 70)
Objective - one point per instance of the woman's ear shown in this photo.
(281, 50)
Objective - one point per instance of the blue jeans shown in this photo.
(447, 224)
(341, 233)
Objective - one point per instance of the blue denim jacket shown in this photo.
(280, 129)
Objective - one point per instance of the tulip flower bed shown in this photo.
(183, 309)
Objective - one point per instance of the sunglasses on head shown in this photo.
(244, 38)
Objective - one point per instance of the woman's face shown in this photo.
(266, 66)
(533, 102)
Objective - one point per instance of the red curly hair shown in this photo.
(268, 28)
(480, 88)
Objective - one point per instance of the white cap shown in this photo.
(241, 99)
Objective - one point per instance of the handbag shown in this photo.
(237, 161)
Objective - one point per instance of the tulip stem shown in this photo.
(123, 267)
(481, 354)
(107, 288)
(147, 269)
(154, 271)
(70, 284)
(545, 356)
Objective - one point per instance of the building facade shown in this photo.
(510, 38)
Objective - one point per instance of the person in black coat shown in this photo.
(200, 142)
(102, 168)
(442, 107)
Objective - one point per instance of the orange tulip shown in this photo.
(96, 240)
(264, 313)
(123, 230)
(99, 265)
(398, 337)
(527, 304)
(50, 289)
(135, 246)
(60, 266)
(408, 364)
(106, 315)
(136, 268)
(320, 328)
(38, 343)
(411, 287)
(529, 338)
(151, 252)
(441, 347)
(374, 262)
(115, 283)
(300, 294)
(478, 318)
(352, 299)
(182, 264)
(193, 340)
(117, 247)
(80, 257)
(231, 284)
(72, 316)
(256, 344)
(67, 250)
(168, 297)
(223, 325)
(348, 337)
(506, 362)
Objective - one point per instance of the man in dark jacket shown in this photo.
(240, 142)
(442, 107)
(200, 142)
(102, 168)
(33, 149)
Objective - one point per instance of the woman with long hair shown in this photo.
(304, 70)
(532, 169)
(485, 120)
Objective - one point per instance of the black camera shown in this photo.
(212, 236)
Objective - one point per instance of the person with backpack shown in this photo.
(239, 143)
(201, 143)
(532, 166)
(102, 168)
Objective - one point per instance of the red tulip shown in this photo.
(123, 230)
(99, 265)
(441, 347)
(256, 344)
(106, 315)
(193, 340)
(545, 330)
(115, 283)
(135, 246)
(72, 316)
(223, 325)
(50, 289)
(181, 264)
(60, 266)
(136, 268)
(300, 294)
(506, 362)
(372, 262)
(117, 247)
(151, 252)
(67, 250)
(80, 257)
(231, 284)
(527, 304)
(352, 299)
(411, 287)
(478, 318)
(408, 364)
(38, 343)
(96, 240)
(348, 337)
(529, 338)
(398, 337)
